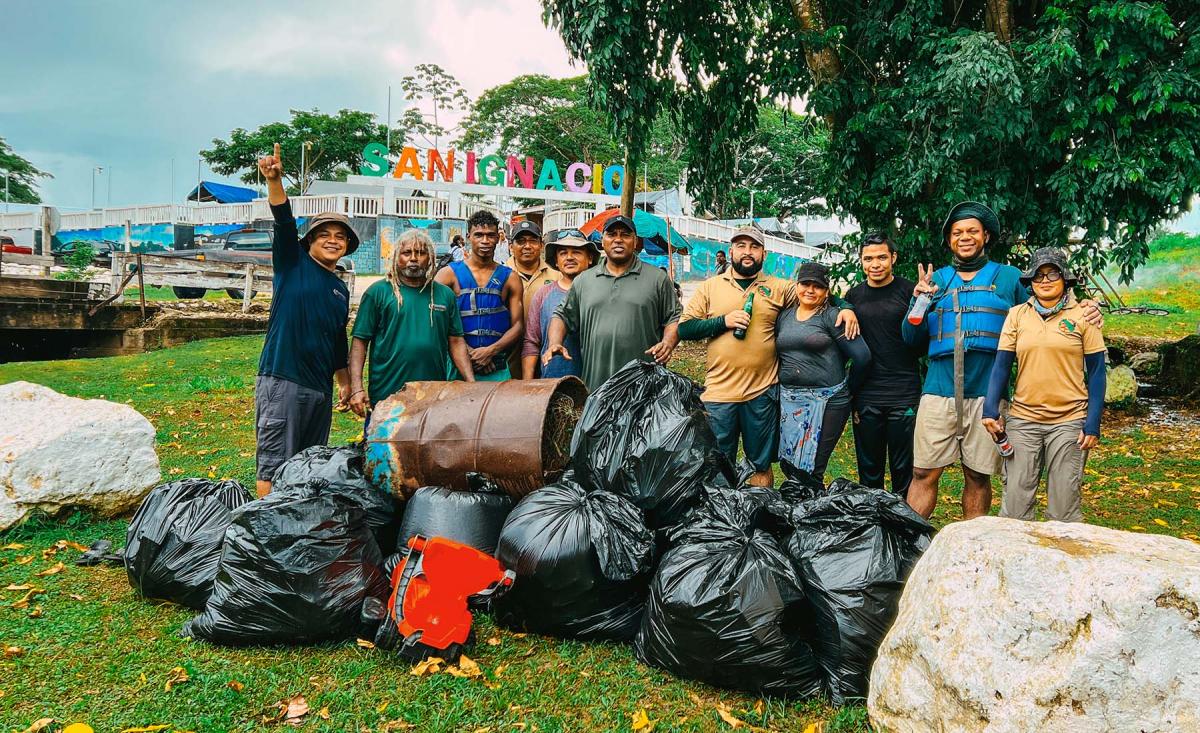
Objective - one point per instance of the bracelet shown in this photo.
(357, 392)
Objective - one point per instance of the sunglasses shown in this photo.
(1052, 276)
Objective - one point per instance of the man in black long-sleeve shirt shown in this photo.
(306, 334)
(885, 409)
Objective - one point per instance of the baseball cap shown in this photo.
(569, 241)
(813, 272)
(748, 231)
(623, 220)
(526, 227)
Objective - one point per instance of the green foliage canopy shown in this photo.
(1060, 114)
(336, 144)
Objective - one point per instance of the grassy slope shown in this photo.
(100, 655)
(1170, 280)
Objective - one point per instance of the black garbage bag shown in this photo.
(727, 606)
(295, 568)
(799, 485)
(583, 561)
(173, 543)
(472, 517)
(644, 434)
(339, 470)
(854, 547)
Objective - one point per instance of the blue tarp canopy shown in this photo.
(222, 193)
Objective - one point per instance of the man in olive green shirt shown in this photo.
(410, 325)
(621, 309)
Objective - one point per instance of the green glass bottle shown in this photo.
(748, 307)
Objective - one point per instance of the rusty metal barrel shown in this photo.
(434, 433)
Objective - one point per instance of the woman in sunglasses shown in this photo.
(1054, 417)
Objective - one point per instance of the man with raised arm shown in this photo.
(305, 347)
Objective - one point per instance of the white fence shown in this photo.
(692, 228)
(418, 207)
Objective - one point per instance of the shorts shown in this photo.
(935, 443)
(288, 417)
(755, 421)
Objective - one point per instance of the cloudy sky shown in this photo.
(129, 86)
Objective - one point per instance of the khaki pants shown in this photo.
(936, 443)
(1055, 448)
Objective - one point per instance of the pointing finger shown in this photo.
(276, 153)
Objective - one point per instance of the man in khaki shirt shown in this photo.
(533, 271)
(741, 392)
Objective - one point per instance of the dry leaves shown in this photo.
(13, 651)
(235, 685)
(392, 725)
(23, 602)
(365, 644)
(14, 586)
(323, 713)
(40, 724)
(642, 721)
(54, 569)
(295, 710)
(494, 641)
(24, 559)
(432, 665)
(13, 546)
(36, 612)
(146, 729)
(177, 676)
(466, 667)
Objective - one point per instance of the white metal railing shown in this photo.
(692, 227)
(19, 220)
(566, 219)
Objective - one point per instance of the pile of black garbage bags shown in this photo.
(647, 538)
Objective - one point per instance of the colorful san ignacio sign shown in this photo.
(494, 170)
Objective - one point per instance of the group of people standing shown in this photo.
(789, 364)
(786, 371)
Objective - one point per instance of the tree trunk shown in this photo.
(628, 183)
(824, 64)
(999, 19)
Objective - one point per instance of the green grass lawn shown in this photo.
(1170, 280)
(86, 649)
(96, 653)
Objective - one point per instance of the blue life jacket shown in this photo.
(972, 308)
(485, 315)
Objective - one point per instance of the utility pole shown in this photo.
(751, 206)
(7, 175)
(389, 121)
(198, 181)
(95, 170)
(628, 185)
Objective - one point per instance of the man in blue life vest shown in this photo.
(489, 299)
(961, 330)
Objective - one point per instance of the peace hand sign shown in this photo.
(271, 166)
(925, 282)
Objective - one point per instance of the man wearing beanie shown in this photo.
(961, 331)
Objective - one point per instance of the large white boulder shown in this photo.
(1021, 626)
(58, 452)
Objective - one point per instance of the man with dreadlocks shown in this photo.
(409, 324)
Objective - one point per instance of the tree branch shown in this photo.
(998, 18)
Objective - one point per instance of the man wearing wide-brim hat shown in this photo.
(305, 347)
(961, 332)
(571, 255)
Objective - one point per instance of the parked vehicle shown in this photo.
(9, 246)
(245, 245)
(103, 251)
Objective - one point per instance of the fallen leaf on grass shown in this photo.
(494, 641)
(13, 651)
(382, 706)
(499, 670)
(64, 544)
(466, 667)
(75, 597)
(13, 586)
(24, 601)
(392, 725)
(429, 666)
(54, 569)
(1137, 528)
(13, 546)
(814, 728)
(146, 729)
(323, 713)
(36, 612)
(696, 699)
(177, 676)
(235, 685)
(642, 721)
(365, 644)
(759, 708)
(39, 724)
(294, 710)
(1161, 522)
(24, 559)
(729, 718)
